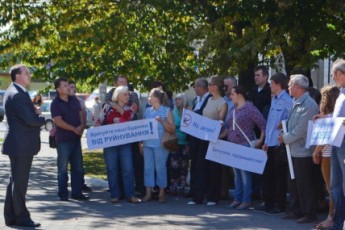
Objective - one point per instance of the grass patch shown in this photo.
(94, 164)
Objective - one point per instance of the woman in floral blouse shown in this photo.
(115, 112)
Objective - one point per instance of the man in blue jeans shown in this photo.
(69, 120)
(338, 153)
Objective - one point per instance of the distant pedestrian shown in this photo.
(21, 143)
(38, 100)
(97, 109)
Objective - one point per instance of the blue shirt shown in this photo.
(281, 106)
(230, 106)
(339, 108)
(150, 112)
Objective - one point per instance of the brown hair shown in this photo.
(219, 82)
(329, 94)
(161, 95)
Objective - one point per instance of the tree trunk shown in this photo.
(246, 76)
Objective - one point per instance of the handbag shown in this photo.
(252, 143)
(52, 143)
(169, 140)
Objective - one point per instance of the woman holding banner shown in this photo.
(155, 155)
(208, 173)
(119, 112)
(242, 120)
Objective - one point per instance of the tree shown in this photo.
(92, 41)
(170, 41)
(284, 34)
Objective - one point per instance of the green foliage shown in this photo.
(91, 41)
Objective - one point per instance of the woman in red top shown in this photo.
(114, 112)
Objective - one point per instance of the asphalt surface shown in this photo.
(100, 213)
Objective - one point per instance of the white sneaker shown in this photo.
(191, 203)
(210, 203)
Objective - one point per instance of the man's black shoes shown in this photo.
(29, 223)
(81, 197)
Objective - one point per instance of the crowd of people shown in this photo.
(249, 118)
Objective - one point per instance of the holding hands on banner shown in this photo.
(325, 131)
(223, 152)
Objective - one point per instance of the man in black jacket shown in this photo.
(21, 143)
(260, 95)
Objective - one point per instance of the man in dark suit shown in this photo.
(199, 103)
(21, 143)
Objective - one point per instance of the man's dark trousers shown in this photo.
(15, 208)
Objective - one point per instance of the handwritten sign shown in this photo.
(200, 126)
(121, 133)
(326, 131)
(237, 156)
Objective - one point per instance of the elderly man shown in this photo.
(303, 109)
(338, 153)
(199, 103)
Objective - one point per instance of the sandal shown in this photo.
(146, 199)
(134, 200)
(162, 199)
(324, 224)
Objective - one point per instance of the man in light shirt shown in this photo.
(274, 178)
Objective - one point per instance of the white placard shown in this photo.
(237, 156)
(121, 133)
(200, 126)
(326, 131)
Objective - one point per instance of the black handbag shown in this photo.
(52, 143)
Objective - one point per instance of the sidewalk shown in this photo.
(99, 213)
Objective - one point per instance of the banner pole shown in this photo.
(288, 153)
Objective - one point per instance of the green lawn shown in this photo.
(94, 164)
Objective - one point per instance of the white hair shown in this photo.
(183, 97)
(300, 80)
(339, 65)
(118, 91)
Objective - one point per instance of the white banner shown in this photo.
(121, 133)
(237, 156)
(326, 131)
(200, 126)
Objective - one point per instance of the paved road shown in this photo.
(99, 213)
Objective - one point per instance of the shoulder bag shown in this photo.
(252, 143)
(169, 140)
